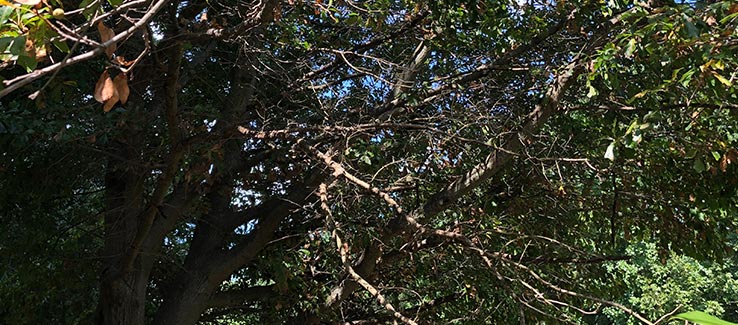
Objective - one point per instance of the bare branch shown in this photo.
(343, 249)
(580, 295)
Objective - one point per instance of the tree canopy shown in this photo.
(242, 162)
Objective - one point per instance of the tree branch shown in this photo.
(343, 251)
(20, 81)
(493, 164)
(146, 221)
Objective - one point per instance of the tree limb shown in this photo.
(20, 81)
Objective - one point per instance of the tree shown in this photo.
(681, 283)
(291, 161)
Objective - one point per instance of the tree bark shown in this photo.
(188, 298)
(122, 294)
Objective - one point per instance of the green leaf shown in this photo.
(61, 45)
(699, 165)
(723, 80)
(90, 6)
(27, 62)
(592, 91)
(19, 46)
(701, 318)
(630, 48)
(115, 3)
(716, 155)
(728, 18)
(633, 126)
(687, 77)
(691, 29)
(85, 3)
(5, 14)
(5, 43)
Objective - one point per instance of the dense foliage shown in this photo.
(228, 162)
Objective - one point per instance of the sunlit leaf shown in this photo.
(110, 102)
(28, 2)
(722, 79)
(701, 318)
(104, 89)
(5, 12)
(610, 152)
(106, 34)
(121, 87)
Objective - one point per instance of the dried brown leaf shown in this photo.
(110, 50)
(30, 48)
(110, 102)
(122, 61)
(121, 87)
(277, 11)
(732, 155)
(106, 34)
(710, 21)
(104, 89)
(41, 53)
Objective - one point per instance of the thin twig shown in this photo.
(668, 315)
(343, 251)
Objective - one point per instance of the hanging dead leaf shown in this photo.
(711, 21)
(121, 87)
(277, 11)
(104, 89)
(121, 60)
(732, 155)
(30, 48)
(723, 165)
(41, 53)
(561, 191)
(110, 102)
(106, 34)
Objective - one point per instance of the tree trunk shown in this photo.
(122, 300)
(123, 294)
(186, 304)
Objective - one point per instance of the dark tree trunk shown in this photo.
(122, 300)
(122, 294)
(186, 302)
